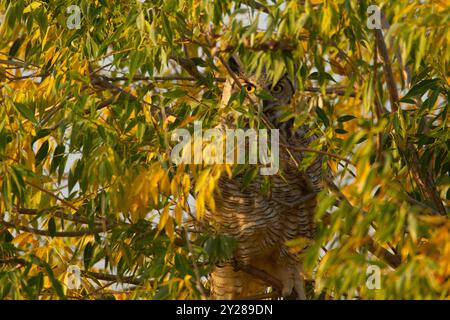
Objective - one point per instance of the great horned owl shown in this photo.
(262, 222)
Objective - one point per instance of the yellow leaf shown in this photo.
(164, 183)
(32, 6)
(170, 229)
(120, 296)
(200, 205)
(134, 210)
(209, 195)
(148, 99)
(164, 217)
(174, 186)
(178, 213)
(139, 181)
(186, 182)
(22, 239)
(171, 119)
(202, 179)
(186, 121)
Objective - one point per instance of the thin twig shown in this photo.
(331, 155)
(13, 261)
(56, 213)
(262, 275)
(66, 203)
(389, 75)
(394, 261)
(423, 179)
(63, 234)
(112, 277)
(198, 284)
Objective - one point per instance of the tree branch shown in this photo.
(60, 214)
(423, 179)
(381, 45)
(66, 203)
(331, 155)
(13, 261)
(262, 275)
(112, 277)
(40, 232)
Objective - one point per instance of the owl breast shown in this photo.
(262, 221)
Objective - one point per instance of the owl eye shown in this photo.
(278, 88)
(249, 88)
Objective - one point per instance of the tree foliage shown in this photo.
(86, 117)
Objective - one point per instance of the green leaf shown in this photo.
(87, 255)
(182, 265)
(163, 293)
(323, 116)
(25, 111)
(219, 247)
(140, 131)
(74, 174)
(48, 270)
(242, 95)
(341, 131)
(174, 94)
(42, 20)
(42, 153)
(6, 236)
(420, 88)
(168, 32)
(58, 155)
(286, 116)
(264, 95)
(321, 76)
(52, 227)
(6, 193)
(238, 169)
(15, 46)
(40, 134)
(430, 101)
(249, 176)
(17, 182)
(346, 118)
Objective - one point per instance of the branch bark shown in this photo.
(264, 276)
(423, 178)
(13, 261)
(331, 155)
(112, 277)
(60, 214)
(66, 203)
(40, 232)
(381, 45)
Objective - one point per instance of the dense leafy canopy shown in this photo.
(86, 117)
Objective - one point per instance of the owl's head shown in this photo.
(282, 91)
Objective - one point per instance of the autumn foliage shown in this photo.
(86, 117)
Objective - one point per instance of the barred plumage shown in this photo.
(262, 222)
